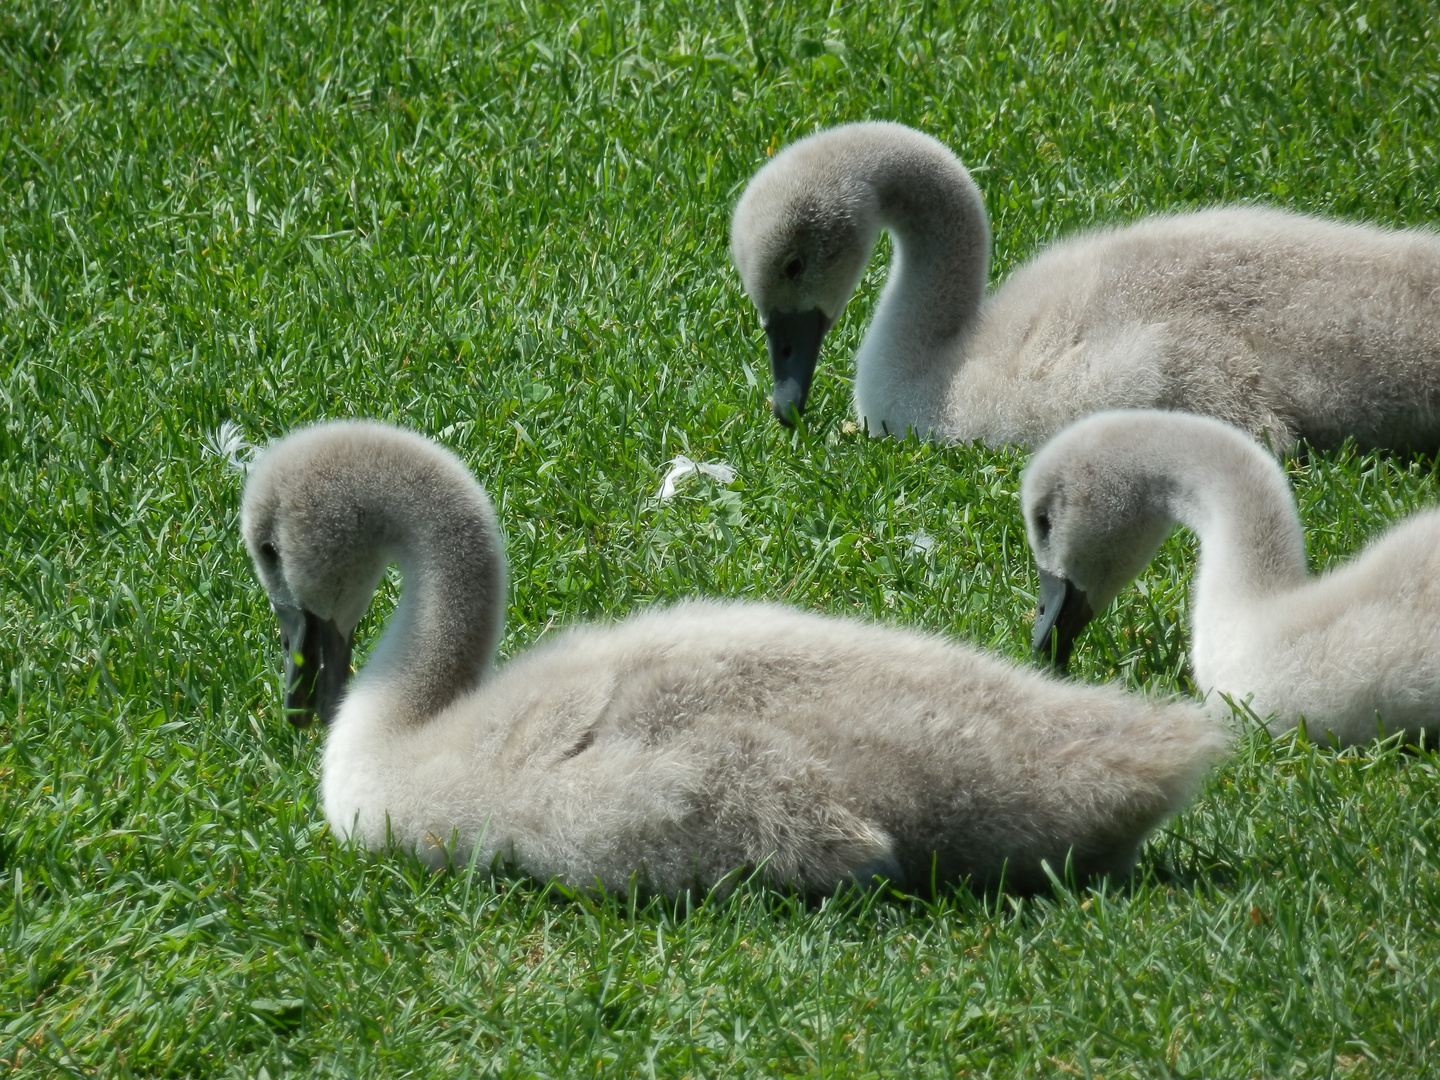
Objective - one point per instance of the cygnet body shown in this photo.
(682, 746)
(1360, 641)
(1283, 325)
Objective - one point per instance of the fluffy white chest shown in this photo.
(359, 770)
(1233, 655)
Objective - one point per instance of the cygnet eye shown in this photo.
(1042, 525)
(269, 554)
(794, 268)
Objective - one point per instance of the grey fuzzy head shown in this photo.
(800, 238)
(807, 223)
(1096, 511)
(802, 234)
(313, 523)
(327, 508)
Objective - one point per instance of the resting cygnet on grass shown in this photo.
(681, 747)
(1359, 641)
(1286, 326)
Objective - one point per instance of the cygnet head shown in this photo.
(800, 238)
(325, 510)
(1097, 507)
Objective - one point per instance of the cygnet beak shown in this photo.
(317, 665)
(794, 340)
(1062, 613)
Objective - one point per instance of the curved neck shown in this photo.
(1237, 501)
(933, 294)
(441, 641)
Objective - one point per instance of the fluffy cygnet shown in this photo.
(1350, 650)
(1285, 326)
(683, 746)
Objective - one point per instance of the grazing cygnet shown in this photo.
(1360, 641)
(1282, 325)
(681, 747)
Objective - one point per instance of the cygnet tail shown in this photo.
(1131, 776)
(830, 847)
(1183, 745)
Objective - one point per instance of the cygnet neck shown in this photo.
(934, 290)
(1237, 501)
(441, 641)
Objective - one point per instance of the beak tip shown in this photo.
(793, 341)
(1056, 657)
(316, 665)
(787, 402)
(1063, 611)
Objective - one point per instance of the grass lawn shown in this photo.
(505, 224)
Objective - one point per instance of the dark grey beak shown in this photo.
(794, 339)
(1062, 613)
(317, 665)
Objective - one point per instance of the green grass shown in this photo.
(505, 224)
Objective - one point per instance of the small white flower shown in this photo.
(682, 466)
(228, 443)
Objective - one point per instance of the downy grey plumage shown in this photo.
(684, 745)
(1360, 640)
(1283, 325)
